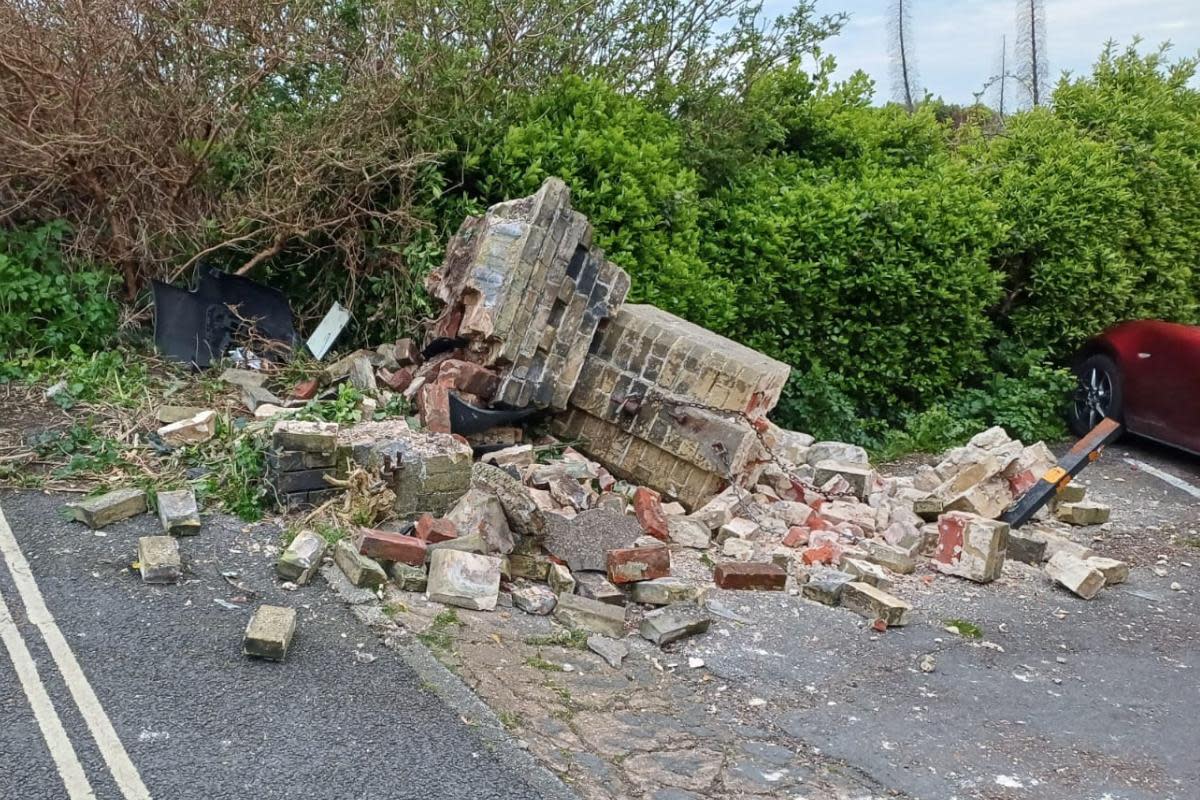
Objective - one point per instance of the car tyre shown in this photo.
(1097, 394)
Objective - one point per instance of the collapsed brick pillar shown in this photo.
(668, 404)
(526, 288)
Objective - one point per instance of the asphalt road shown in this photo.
(1063, 699)
(190, 715)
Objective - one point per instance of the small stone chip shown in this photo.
(270, 632)
(158, 559)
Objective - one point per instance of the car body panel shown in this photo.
(1159, 364)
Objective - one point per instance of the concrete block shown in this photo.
(97, 512)
(464, 579)
(158, 559)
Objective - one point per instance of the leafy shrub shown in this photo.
(47, 306)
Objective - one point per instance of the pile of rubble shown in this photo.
(659, 444)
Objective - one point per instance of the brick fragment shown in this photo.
(752, 576)
(971, 547)
(632, 564)
(306, 389)
(647, 507)
(178, 513)
(431, 529)
(390, 546)
(301, 558)
(308, 437)
(1082, 513)
(466, 376)
(193, 430)
(1114, 571)
(433, 403)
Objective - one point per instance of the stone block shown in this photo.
(158, 559)
(407, 577)
(532, 566)
(971, 547)
(307, 437)
(737, 528)
(837, 451)
(988, 499)
(826, 586)
(894, 558)
(105, 509)
(481, 513)
(1026, 547)
(583, 613)
(858, 477)
(633, 564)
(756, 576)
(360, 570)
(665, 591)
(866, 572)
(1076, 575)
(1056, 544)
(1114, 571)
(302, 558)
(519, 455)
(243, 377)
(874, 603)
(534, 599)
(388, 546)
(610, 650)
(929, 508)
(254, 397)
(270, 632)
(464, 579)
(1082, 513)
(560, 579)
(595, 586)
(1071, 493)
(674, 622)
(688, 532)
(168, 414)
(193, 430)
(523, 514)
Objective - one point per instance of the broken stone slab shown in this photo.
(255, 397)
(307, 437)
(168, 414)
(738, 549)
(666, 591)
(583, 613)
(197, 429)
(1082, 513)
(894, 558)
(874, 603)
(674, 622)
(595, 586)
(929, 508)
(1114, 571)
(407, 577)
(302, 557)
(158, 559)
(610, 650)
(270, 633)
(360, 570)
(585, 541)
(534, 599)
(837, 451)
(1056, 544)
(750, 577)
(243, 377)
(826, 586)
(532, 566)
(105, 509)
(858, 477)
(971, 547)
(1075, 575)
(178, 513)
(1026, 547)
(464, 579)
(866, 572)
(633, 564)
(688, 532)
(520, 455)
(362, 375)
(524, 516)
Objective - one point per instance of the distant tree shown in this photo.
(1032, 68)
(904, 68)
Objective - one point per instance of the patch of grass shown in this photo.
(236, 464)
(574, 639)
(395, 609)
(964, 628)
(88, 451)
(509, 719)
(345, 409)
(1191, 541)
(21, 478)
(537, 662)
(437, 636)
(707, 561)
(332, 534)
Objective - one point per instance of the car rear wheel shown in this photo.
(1097, 394)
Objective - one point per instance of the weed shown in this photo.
(537, 662)
(509, 719)
(88, 451)
(345, 409)
(235, 475)
(20, 478)
(395, 609)
(1191, 541)
(437, 636)
(707, 561)
(330, 533)
(963, 628)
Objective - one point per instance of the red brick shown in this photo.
(390, 546)
(1022, 482)
(397, 381)
(469, 377)
(764, 577)
(950, 538)
(306, 390)
(433, 530)
(817, 523)
(632, 564)
(647, 505)
(796, 536)
(825, 553)
(433, 401)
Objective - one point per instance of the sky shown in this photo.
(957, 42)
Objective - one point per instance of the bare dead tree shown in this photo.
(1032, 68)
(904, 68)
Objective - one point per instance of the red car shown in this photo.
(1145, 375)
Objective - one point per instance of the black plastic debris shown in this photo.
(466, 419)
(198, 327)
